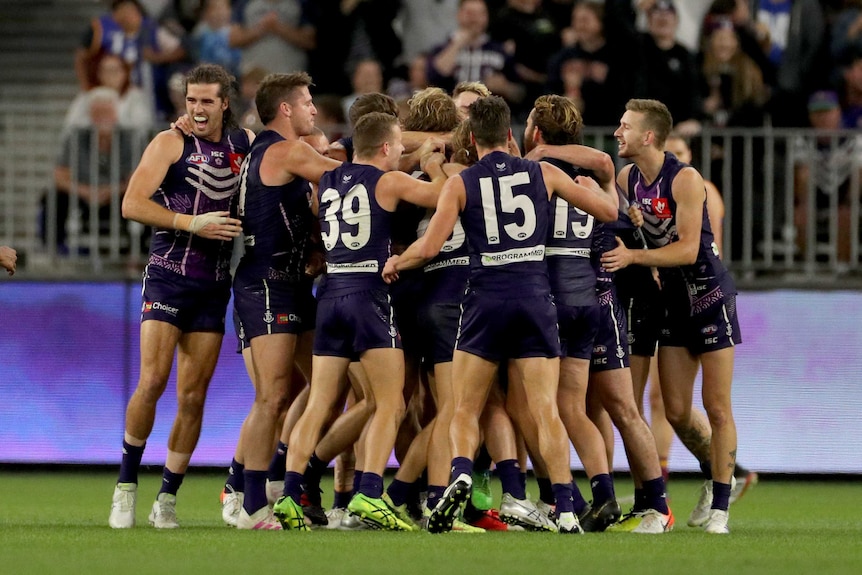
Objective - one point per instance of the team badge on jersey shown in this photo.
(235, 162)
(661, 209)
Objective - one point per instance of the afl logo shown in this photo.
(198, 159)
(600, 349)
(709, 330)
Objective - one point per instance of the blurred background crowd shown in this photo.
(715, 62)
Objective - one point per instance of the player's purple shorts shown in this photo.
(639, 296)
(610, 350)
(495, 325)
(439, 323)
(273, 306)
(578, 329)
(189, 304)
(241, 340)
(350, 324)
(701, 314)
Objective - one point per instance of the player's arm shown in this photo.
(449, 206)
(397, 186)
(417, 150)
(587, 196)
(166, 149)
(597, 161)
(715, 210)
(285, 160)
(688, 192)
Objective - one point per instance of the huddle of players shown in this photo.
(431, 299)
(361, 211)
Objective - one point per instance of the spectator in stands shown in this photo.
(330, 116)
(846, 32)
(793, 33)
(211, 37)
(148, 48)
(598, 75)
(134, 108)
(529, 35)
(851, 89)
(671, 72)
(8, 259)
(124, 30)
(336, 22)
(425, 25)
(365, 78)
(469, 55)
(732, 84)
(246, 106)
(92, 171)
(273, 34)
(825, 161)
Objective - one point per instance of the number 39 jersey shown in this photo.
(356, 232)
(505, 218)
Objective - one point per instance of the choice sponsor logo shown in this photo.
(151, 306)
(286, 318)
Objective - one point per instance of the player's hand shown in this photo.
(636, 216)
(617, 258)
(183, 124)
(8, 259)
(215, 226)
(537, 153)
(389, 273)
(316, 263)
(588, 182)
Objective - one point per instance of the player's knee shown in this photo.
(191, 403)
(718, 415)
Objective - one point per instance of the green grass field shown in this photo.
(56, 522)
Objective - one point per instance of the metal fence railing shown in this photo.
(792, 200)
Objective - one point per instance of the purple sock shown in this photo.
(313, 474)
(371, 485)
(434, 494)
(171, 481)
(640, 500)
(655, 495)
(357, 479)
(399, 491)
(510, 478)
(130, 463)
(235, 477)
(341, 499)
(461, 465)
(720, 495)
(602, 487)
(255, 494)
(563, 498)
(546, 492)
(293, 485)
(579, 504)
(278, 463)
